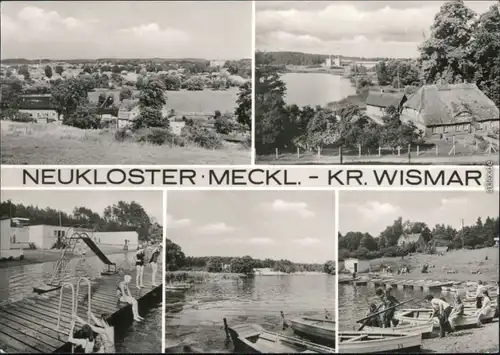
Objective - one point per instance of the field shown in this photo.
(40, 143)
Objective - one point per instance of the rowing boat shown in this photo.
(318, 330)
(178, 287)
(424, 329)
(424, 316)
(252, 338)
(355, 342)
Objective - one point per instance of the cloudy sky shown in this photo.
(293, 225)
(365, 211)
(351, 28)
(97, 201)
(126, 29)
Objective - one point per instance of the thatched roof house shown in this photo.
(414, 238)
(378, 102)
(453, 109)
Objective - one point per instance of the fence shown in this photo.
(410, 153)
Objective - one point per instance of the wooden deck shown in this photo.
(28, 326)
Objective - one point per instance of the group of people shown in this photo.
(99, 337)
(446, 314)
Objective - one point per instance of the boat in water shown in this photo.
(364, 342)
(252, 338)
(178, 286)
(319, 330)
(424, 316)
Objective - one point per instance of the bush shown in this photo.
(22, 117)
(157, 136)
(201, 136)
(122, 134)
(223, 125)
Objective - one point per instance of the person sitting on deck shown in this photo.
(486, 307)
(84, 344)
(442, 310)
(154, 264)
(139, 266)
(124, 295)
(457, 311)
(375, 320)
(105, 340)
(388, 301)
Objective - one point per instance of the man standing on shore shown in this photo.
(388, 301)
(442, 310)
(479, 294)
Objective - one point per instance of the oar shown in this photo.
(368, 318)
(377, 313)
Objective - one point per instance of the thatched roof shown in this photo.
(384, 99)
(451, 104)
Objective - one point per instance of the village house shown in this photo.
(377, 104)
(414, 238)
(38, 106)
(458, 109)
(128, 112)
(6, 249)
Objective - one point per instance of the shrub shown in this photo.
(22, 117)
(223, 125)
(154, 135)
(201, 136)
(122, 134)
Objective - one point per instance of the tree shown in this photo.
(195, 83)
(152, 95)
(244, 265)
(214, 264)
(59, 69)
(125, 93)
(24, 71)
(244, 110)
(224, 124)
(84, 117)
(11, 90)
(151, 117)
(445, 54)
(131, 216)
(329, 267)
(485, 47)
(174, 256)
(48, 71)
(70, 93)
(368, 242)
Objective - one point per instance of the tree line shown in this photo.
(122, 216)
(177, 260)
(365, 246)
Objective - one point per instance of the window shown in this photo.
(435, 130)
(445, 129)
(458, 128)
(479, 126)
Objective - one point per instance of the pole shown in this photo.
(366, 321)
(384, 310)
(226, 328)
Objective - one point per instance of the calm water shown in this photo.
(354, 301)
(17, 283)
(260, 300)
(316, 88)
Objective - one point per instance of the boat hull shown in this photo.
(423, 316)
(320, 334)
(399, 343)
(424, 329)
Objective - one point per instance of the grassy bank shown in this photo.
(40, 143)
(470, 265)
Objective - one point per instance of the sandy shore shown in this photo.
(476, 340)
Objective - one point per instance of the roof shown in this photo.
(129, 104)
(410, 238)
(451, 104)
(93, 96)
(384, 99)
(36, 102)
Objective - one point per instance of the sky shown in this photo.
(293, 225)
(97, 201)
(372, 212)
(350, 28)
(126, 29)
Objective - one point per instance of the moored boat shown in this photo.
(424, 329)
(319, 330)
(361, 342)
(424, 316)
(178, 286)
(252, 338)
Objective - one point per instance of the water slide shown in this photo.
(98, 252)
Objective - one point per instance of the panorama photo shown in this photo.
(380, 82)
(126, 82)
(80, 271)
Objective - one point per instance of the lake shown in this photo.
(257, 300)
(17, 283)
(316, 88)
(354, 302)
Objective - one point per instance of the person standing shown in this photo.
(388, 301)
(442, 310)
(479, 294)
(139, 267)
(154, 264)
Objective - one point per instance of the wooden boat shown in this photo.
(182, 349)
(252, 338)
(355, 342)
(178, 287)
(424, 329)
(319, 330)
(348, 280)
(423, 316)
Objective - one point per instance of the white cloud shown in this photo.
(214, 228)
(453, 202)
(306, 241)
(177, 223)
(298, 207)
(374, 210)
(153, 33)
(249, 241)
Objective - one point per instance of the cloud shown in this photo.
(249, 241)
(374, 210)
(306, 241)
(215, 228)
(298, 207)
(452, 202)
(152, 32)
(177, 223)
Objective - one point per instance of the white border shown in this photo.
(163, 273)
(253, 154)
